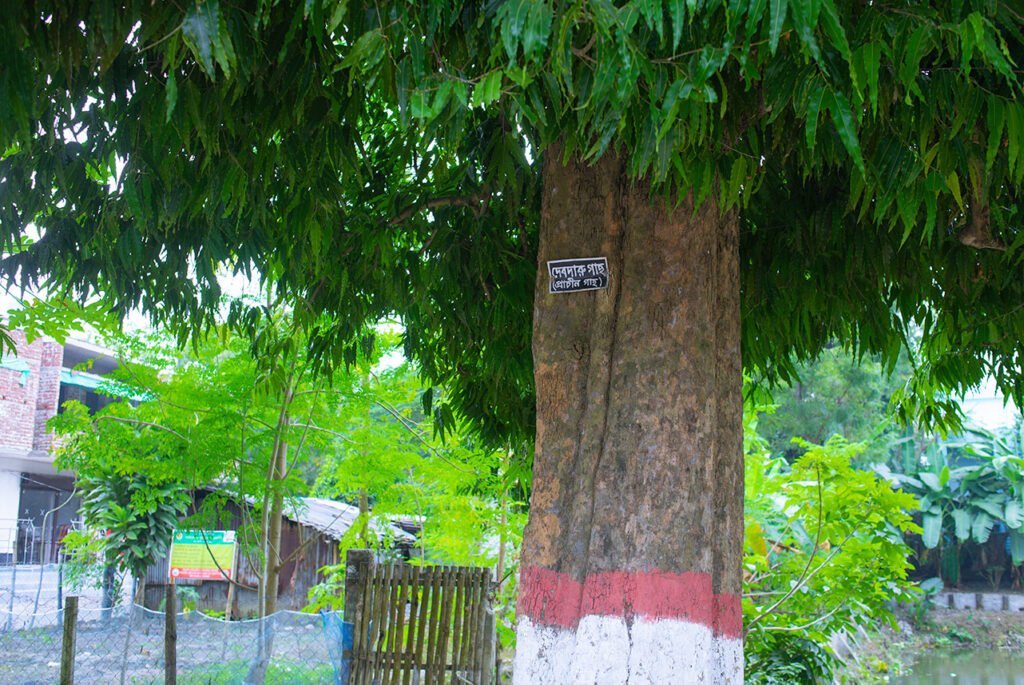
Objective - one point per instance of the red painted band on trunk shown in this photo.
(556, 599)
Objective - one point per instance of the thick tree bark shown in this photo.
(631, 561)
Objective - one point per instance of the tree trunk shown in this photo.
(631, 560)
(139, 598)
(272, 572)
(108, 598)
(271, 530)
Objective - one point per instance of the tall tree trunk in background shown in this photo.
(272, 573)
(271, 531)
(631, 560)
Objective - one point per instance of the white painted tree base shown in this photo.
(604, 650)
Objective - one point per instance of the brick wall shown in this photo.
(27, 403)
(51, 359)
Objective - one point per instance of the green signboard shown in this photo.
(202, 555)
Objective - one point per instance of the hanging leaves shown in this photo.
(382, 159)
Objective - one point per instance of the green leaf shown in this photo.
(513, 16)
(805, 19)
(842, 117)
(932, 529)
(171, 95)
(537, 28)
(834, 28)
(993, 506)
(223, 49)
(200, 29)
(962, 524)
(953, 183)
(864, 71)
(778, 18)
(367, 51)
(814, 101)
(913, 51)
(1017, 547)
(1014, 514)
(677, 12)
(488, 90)
(995, 120)
(1015, 136)
(755, 11)
(337, 15)
(981, 528)
(931, 480)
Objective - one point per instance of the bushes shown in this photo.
(823, 553)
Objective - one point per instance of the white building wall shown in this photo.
(10, 497)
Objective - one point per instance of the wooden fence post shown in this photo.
(170, 636)
(358, 565)
(67, 647)
(490, 638)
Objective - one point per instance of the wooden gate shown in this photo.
(418, 625)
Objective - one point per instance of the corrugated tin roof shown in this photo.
(334, 519)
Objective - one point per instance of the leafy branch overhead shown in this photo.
(873, 151)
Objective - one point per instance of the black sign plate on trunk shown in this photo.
(575, 275)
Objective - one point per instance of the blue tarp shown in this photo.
(338, 634)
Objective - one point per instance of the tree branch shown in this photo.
(224, 574)
(477, 202)
(810, 560)
(145, 424)
(412, 430)
(782, 629)
(978, 233)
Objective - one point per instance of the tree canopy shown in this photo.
(383, 158)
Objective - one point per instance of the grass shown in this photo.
(234, 673)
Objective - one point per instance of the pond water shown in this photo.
(981, 667)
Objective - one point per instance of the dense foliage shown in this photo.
(468, 501)
(465, 496)
(375, 158)
(970, 488)
(209, 420)
(134, 516)
(839, 394)
(217, 419)
(824, 553)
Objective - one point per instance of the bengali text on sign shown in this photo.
(202, 554)
(575, 275)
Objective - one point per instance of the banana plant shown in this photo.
(967, 486)
(1004, 454)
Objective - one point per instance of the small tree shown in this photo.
(135, 516)
(823, 553)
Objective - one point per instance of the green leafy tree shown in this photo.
(837, 394)
(466, 498)
(217, 416)
(858, 165)
(824, 553)
(136, 517)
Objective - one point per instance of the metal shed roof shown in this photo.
(334, 519)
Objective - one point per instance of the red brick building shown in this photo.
(35, 508)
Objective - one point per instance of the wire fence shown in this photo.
(127, 645)
(118, 643)
(32, 595)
